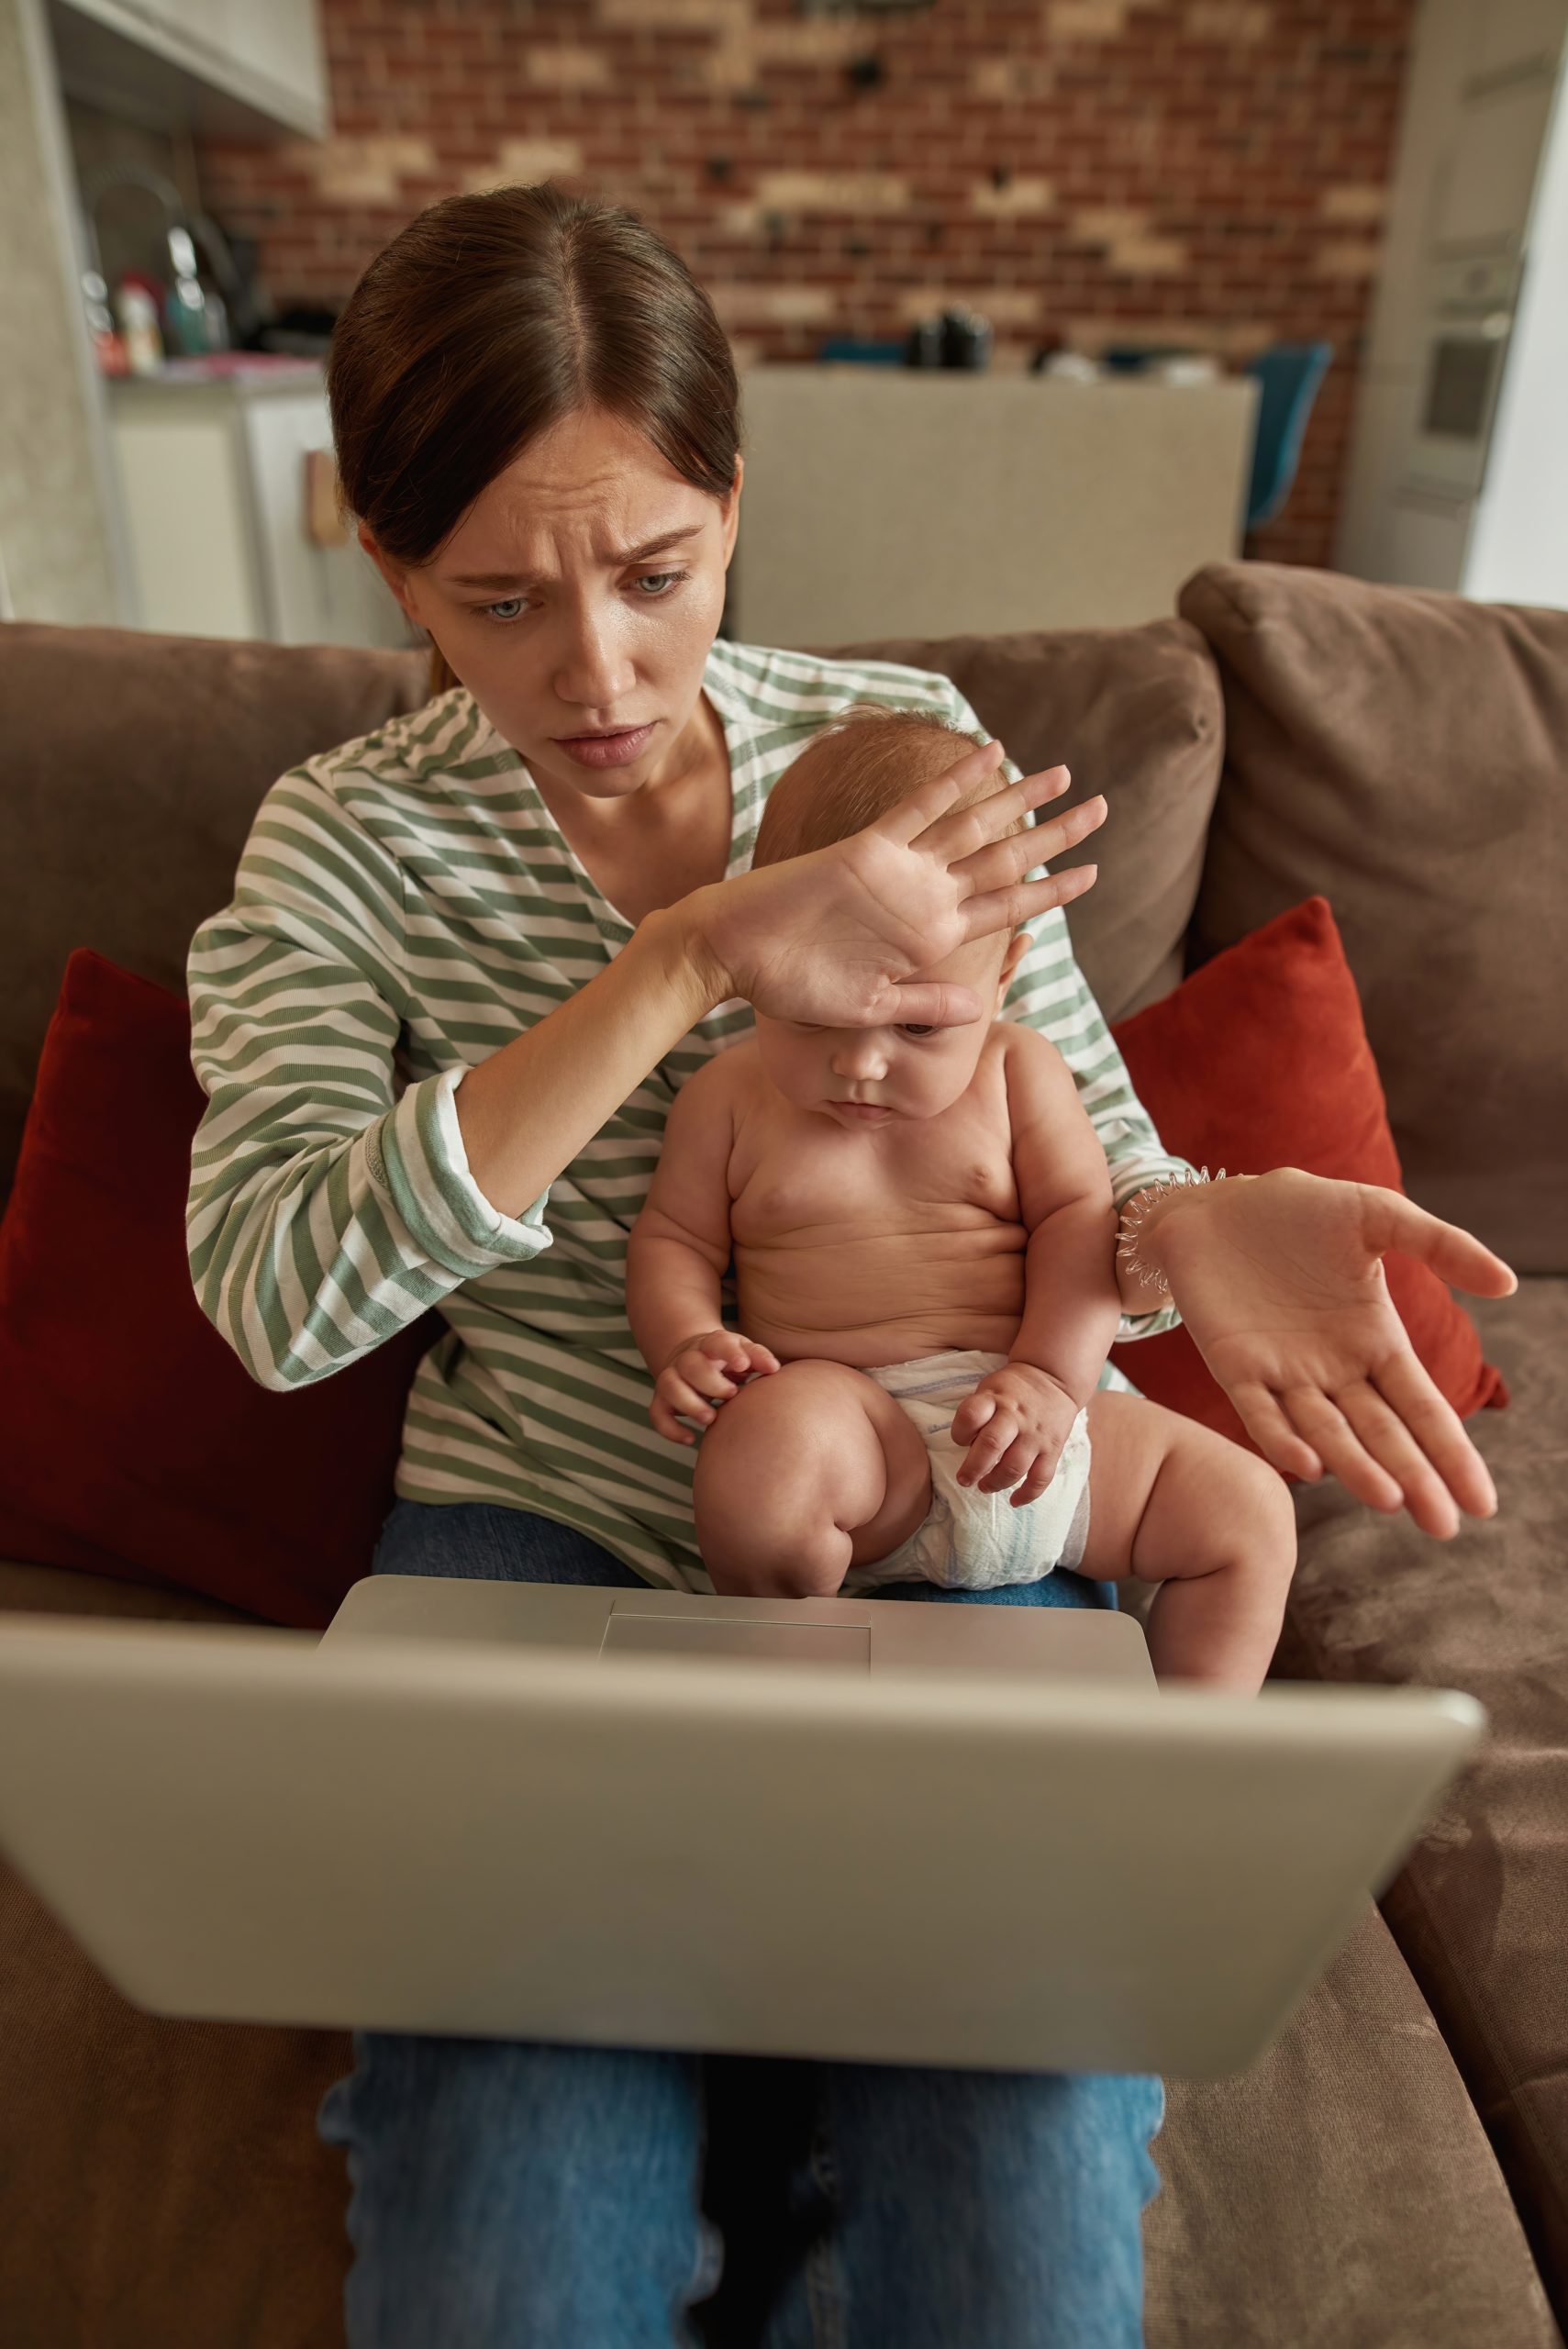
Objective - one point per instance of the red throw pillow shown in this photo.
(135, 1442)
(1260, 1059)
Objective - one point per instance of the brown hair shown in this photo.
(492, 317)
(854, 770)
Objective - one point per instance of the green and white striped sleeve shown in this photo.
(327, 1207)
(1049, 992)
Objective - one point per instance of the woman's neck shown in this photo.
(664, 840)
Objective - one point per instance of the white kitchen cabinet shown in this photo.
(228, 67)
(213, 476)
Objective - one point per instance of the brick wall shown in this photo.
(1210, 171)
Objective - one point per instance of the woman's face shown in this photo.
(559, 610)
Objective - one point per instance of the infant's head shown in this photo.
(868, 759)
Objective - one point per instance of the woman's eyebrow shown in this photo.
(508, 579)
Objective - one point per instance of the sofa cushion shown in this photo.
(1258, 1060)
(133, 766)
(1135, 712)
(1406, 754)
(1341, 2194)
(1481, 1909)
(136, 1443)
(71, 1590)
(163, 2181)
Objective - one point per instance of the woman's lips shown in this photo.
(608, 749)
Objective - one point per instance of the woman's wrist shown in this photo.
(1152, 1234)
(679, 951)
(686, 940)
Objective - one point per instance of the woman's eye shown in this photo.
(511, 608)
(906, 1028)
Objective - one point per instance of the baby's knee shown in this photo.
(790, 1466)
(751, 1445)
(1262, 1510)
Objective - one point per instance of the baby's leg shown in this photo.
(1172, 1502)
(804, 1474)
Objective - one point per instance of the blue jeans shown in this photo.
(510, 2195)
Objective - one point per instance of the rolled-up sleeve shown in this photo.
(329, 1205)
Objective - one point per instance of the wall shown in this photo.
(59, 558)
(1209, 172)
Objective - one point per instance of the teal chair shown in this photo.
(1288, 375)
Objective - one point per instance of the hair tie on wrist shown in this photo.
(1135, 1214)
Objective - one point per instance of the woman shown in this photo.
(468, 961)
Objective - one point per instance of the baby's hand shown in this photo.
(1015, 1425)
(700, 1375)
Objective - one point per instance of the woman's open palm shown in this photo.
(1280, 1282)
(836, 937)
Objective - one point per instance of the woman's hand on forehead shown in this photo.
(839, 938)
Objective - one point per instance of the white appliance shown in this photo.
(223, 472)
(1473, 250)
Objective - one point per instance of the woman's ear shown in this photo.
(732, 523)
(396, 577)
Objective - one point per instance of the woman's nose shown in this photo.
(591, 671)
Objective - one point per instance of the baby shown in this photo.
(923, 1240)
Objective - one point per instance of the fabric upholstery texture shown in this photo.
(1350, 2165)
(1260, 1060)
(161, 2183)
(133, 766)
(135, 1441)
(1480, 1911)
(1135, 713)
(1404, 753)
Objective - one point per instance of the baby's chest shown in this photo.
(833, 1185)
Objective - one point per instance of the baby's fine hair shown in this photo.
(854, 770)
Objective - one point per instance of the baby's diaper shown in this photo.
(970, 1539)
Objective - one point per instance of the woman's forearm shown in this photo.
(526, 1111)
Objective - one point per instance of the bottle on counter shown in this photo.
(137, 308)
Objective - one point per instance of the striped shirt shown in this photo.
(405, 905)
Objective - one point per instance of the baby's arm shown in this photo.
(1071, 1304)
(1018, 1418)
(676, 1258)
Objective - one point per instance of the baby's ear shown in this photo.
(1018, 947)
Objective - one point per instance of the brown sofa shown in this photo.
(1394, 2172)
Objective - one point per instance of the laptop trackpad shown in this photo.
(627, 1633)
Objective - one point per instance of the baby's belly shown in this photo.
(881, 1299)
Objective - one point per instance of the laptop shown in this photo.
(872, 1830)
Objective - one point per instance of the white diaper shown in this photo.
(970, 1539)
